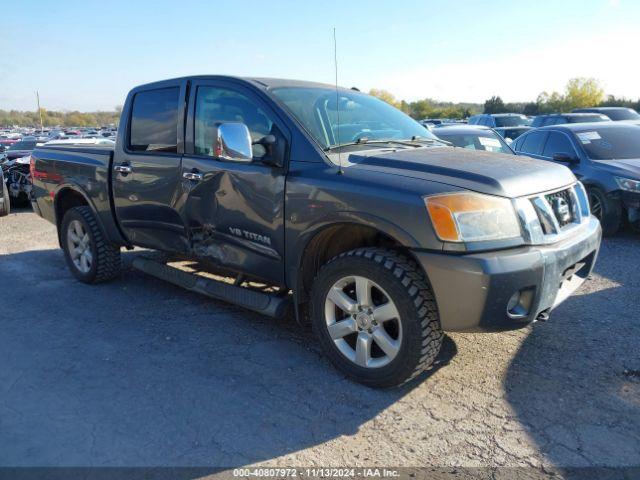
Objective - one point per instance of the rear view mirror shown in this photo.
(233, 142)
(565, 158)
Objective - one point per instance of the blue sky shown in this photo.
(87, 54)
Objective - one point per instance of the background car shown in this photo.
(22, 148)
(5, 207)
(473, 137)
(507, 125)
(563, 118)
(614, 113)
(605, 156)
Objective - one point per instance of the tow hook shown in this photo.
(543, 316)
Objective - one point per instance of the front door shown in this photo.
(234, 211)
(147, 170)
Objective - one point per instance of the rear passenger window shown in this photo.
(533, 143)
(154, 121)
(558, 143)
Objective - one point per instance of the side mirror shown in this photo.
(270, 150)
(565, 158)
(233, 142)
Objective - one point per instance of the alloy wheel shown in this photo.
(363, 321)
(596, 205)
(79, 245)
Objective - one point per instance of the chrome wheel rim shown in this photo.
(79, 245)
(596, 206)
(363, 322)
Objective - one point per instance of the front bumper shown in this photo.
(473, 291)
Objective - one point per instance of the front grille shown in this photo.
(543, 224)
(555, 210)
(562, 202)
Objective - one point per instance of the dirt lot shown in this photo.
(137, 372)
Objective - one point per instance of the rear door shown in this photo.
(234, 211)
(147, 169)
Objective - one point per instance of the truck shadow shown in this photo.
(574, 384)
(138, 372)
(20, 209)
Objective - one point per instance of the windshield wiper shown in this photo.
(365, 140)
(415, 142)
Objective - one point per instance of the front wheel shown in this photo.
(90, 257)
(375, 316)
(605, 209)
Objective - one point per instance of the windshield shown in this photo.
(476, 141)
(596, 117)
(622, 114)
(362, 117)
(28, 145)
(511, 121)
(622, 142)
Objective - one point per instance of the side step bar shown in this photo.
(261, 302)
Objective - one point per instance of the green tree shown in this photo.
(583, 92)
(494, 105)
(386, 96)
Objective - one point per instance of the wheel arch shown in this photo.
(328, 240)
(68, 197)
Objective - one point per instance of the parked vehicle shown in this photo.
(17, 179)
(563, 118)
(6, 142)
(434, 122)
(508, 125)
(22, 148)
(371, 227)
(614, 113)
(604, 156)
(5, 207)
(473, 137)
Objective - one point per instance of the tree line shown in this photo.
(579, 92)
(9, 118)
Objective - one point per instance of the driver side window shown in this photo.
(558, 143)
(216, 105)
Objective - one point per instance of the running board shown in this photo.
(261, 302)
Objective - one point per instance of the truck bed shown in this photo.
(75, 170)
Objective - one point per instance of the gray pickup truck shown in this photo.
(282, 195)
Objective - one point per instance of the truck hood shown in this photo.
(485, 172)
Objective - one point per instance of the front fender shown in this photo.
(298, 246)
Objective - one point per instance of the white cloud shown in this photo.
(608, 58)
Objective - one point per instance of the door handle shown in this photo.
(192, 176)
(124, 169)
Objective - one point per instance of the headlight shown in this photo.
(472, 217)
(628, 184)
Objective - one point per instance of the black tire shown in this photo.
(106, 263)
(605, 209)
(407, 287)
(6, 207)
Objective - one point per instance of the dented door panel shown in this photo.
(235, 215)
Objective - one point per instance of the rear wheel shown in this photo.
(375, 316)
(89, 256)
(605, 209)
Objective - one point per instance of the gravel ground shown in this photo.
(139, 373)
